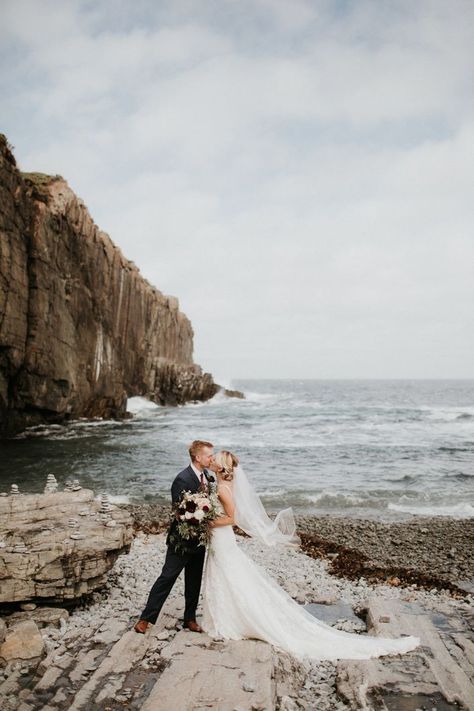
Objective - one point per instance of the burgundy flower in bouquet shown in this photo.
(193, 514)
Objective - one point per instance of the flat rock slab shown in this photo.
(466, 585)
(331, 613)
(23, 642)
(437, 675)
(204, 674)
(42, 616)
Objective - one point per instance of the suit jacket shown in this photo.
(185, 481)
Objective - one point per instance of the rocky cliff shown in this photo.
(80, 328)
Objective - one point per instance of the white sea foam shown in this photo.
(74, 429)
(450, 413)
(334, 497)
(261, 397)
(40, 431)
(218, 398)
(140, 405)
(224, 381)
(272, 493)
(92, 423)
(462, 510)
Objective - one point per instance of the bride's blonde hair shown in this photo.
(227, 462)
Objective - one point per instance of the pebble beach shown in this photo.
(81, 643)
(308, 580)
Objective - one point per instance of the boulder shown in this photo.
(58, 546)
(23, 642)
(234, 393)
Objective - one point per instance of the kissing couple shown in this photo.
(240, 600)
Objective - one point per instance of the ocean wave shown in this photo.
(272, 493)
(261, 397)
(449, 414)
(138, 404)
(398, 480)
(462, 476)
(40, 431)
(75, 429)
(334, 499)
(99, 422)
(454, 449)
(462, 510)
(323, 499)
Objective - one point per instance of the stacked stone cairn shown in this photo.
(51, 484)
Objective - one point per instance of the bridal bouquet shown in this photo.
(193, 513)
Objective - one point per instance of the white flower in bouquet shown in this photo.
(193, 514)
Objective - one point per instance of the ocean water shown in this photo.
(384, 449)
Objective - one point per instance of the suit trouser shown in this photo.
(193, 564)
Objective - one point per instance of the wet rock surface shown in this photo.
(437, 675)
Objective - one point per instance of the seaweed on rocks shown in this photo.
(352, 564)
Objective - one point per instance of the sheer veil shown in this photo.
(252, 518)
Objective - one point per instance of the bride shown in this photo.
(242, 601)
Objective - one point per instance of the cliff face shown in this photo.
(80, 328)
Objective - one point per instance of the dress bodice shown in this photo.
(220, 507)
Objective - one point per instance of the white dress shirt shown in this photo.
(198, 473)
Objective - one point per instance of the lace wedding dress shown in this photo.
(242, 601)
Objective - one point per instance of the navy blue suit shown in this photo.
(192, 561)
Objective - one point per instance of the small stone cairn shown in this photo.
(51, 484)
(105, 516)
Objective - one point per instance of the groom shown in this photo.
(194, 478)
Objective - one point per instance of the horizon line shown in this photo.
(359, 379)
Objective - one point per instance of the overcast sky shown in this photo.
(300, 174)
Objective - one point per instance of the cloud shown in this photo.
(296, 172)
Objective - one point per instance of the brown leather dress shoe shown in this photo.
(192, 625)
(142, 626)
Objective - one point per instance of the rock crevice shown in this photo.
(80, 328)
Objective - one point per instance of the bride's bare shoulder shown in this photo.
(224, 489)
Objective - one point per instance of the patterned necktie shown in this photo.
(203, 481)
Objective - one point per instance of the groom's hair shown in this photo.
(196, 446)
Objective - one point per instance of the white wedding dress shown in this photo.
(241, 601)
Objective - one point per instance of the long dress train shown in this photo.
(242, 601)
